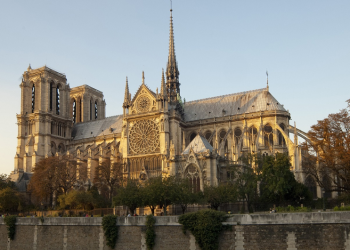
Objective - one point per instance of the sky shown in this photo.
(222, 47)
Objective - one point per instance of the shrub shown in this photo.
(11, 226)
(205, 225)
(150, 233)
(110, 228)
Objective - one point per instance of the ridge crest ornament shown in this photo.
(143, 103)
(144, 137)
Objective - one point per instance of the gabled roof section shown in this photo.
(143, 86)
(199, 144)
(232, 104)
(108, 126)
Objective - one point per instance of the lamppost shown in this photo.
(323, 192)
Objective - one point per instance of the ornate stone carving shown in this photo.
(143, 103)
(144, 137)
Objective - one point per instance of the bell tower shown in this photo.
(44, 125)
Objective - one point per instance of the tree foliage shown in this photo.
(53, 175)
(129, 195)
(328, 152)
(109, 176)
(110, 228)
(218, 195)
(76, 199)
(9, 200)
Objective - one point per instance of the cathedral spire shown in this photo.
(143, 77)
(163, 86)
(126, 95)
(172, 71)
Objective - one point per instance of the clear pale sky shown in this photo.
(222, 47)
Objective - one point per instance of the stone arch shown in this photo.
(61, 148)
(268, 135)
(194, 175)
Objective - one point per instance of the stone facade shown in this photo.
(158, 133)
(309, 231)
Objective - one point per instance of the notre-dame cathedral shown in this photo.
(158, 133)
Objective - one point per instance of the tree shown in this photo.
(9, 200)
(109, 175)
(5, 182)
(327, 152)
(129, 195)
(76, 199)
(183, 195)
(223, 193)
(278, 184)
(53, 176)
(158, 191)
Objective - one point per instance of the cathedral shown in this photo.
(158, 134)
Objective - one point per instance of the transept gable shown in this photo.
(144, 100)
(198, 145)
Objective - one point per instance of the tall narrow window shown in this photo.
(57, 100)
(33, 98)
(95, 110)
(51, 100)
(268, 136)
(81, 104)
(74, 111)
(281, 140)
(90, 110)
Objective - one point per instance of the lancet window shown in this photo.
(57, 100)
(90, 110)
(95, 110)
(252, 134)
(51, 96)
(268, 136)
(74, 111)
(193, 176)
(151, 166)
(238, 135)
(33, 98)
(192, 136)
(222, 135)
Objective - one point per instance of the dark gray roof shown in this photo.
(107, 126)
(232, 104)
(199, 144)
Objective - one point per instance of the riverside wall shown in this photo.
(290, 231)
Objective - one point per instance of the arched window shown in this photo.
(51, 97)
(311, 185)
(33, 98)
(95, 110)
(57, 100)
(207, 136)
(281, 140)
(268, 136)
(90, 110)
(253, 133)
(193, 176)
(61, 148)
(238, 135)
(74, 111)
(81, 104)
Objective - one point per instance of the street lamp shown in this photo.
(323, 192)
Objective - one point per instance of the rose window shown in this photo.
(143, 104)
(144, 137)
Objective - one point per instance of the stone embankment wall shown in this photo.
(329, 230)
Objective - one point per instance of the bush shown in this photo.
(11, 226)
(110, 228)
(150, 233)
(205, 225)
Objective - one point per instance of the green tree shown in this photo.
(183, 195)
(9, 200)
(158, 191)
(218, 195)
(278, 183)
(129, 195)
(76, 199)
(6, 182)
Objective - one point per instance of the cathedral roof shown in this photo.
(107, 126)
(199, 144)
(232, 104)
